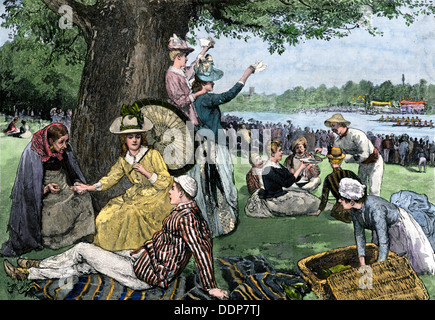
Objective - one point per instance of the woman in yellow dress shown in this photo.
(128, 220)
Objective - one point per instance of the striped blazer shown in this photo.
(332, 183)
(252, 181)
(184, 233)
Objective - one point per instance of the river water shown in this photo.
(360, 121)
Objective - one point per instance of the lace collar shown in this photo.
(132, 160)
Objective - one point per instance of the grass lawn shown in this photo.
(283, 241)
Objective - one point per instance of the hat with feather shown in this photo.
(206, 71)
(132, 120)
(177, 44)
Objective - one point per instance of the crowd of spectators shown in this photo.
(400, 149)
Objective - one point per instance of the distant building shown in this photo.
(408, 106)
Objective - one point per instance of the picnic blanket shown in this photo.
(102, 287)
(255, 278)
(249, 278)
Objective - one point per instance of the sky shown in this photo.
(3, 32)
(360, 56)
(401, 50)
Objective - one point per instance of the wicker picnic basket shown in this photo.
(392, 279)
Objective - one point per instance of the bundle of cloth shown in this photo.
(420, 208)
(254, 278)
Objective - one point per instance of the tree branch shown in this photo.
(305, 4)
(80, 14)
(220, 2)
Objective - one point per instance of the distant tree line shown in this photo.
(357, 95)
(30, 80)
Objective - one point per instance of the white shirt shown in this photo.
(355, 145)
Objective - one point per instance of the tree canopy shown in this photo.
(41, 68)
(31, 82)
(281, 23)
(278, 22)
(54, 57)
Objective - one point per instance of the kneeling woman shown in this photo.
(276, 198)
(130, 219)
(159, 261)
(393, 228)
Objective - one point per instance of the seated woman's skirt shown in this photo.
(67, 217)
(292, 203)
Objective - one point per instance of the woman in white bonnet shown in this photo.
(390, 224)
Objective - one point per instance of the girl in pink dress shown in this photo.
(179, 76)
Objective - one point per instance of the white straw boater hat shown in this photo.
(351, 189)
(132, 120)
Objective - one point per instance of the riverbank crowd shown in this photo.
(250, 136)
(395, 149)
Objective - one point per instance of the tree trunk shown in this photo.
(127, 60)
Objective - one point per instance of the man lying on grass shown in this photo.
(156, 263)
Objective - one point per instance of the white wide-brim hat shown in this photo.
(130, 121)
(188, 184)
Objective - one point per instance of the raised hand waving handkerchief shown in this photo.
(209, 42)
(259, 66)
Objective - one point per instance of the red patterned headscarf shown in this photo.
(41, 146)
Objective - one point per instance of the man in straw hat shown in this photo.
(157, 262)
(332, 183)
(179, 76)
(358, 149)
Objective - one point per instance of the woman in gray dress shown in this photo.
(45, 212)
(393, 227)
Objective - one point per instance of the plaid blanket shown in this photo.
(249, 278)
(254, 278)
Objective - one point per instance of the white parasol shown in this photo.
(171, 134)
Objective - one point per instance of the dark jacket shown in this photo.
(274, 179)
(207, 107)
